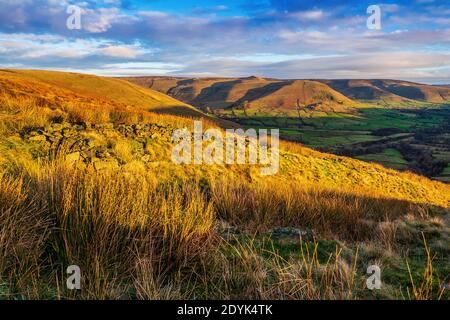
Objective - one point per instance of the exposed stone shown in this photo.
(38, 138)
(293, 233)
(86, 125)
(84, 149)
(102, 153)
(68, 132)
(225, 230)
(56, 127)
(89, 143)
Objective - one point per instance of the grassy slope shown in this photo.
(393, 91)
(307, 92)
(302, 164)
(92, 87)
(165, 215)
(218, 92)
(261, 93)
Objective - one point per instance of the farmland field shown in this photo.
(370, 133)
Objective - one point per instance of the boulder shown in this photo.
(292, 233)
(102, 153)
(38, 138)
(56, 127)
(225, 230)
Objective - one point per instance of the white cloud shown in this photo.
(100, 20)
(308, 15)
(121, 52)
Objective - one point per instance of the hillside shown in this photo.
(390, 90)
(284, 96)
(265, 95)
(67, 96)
(50, 86)
(88, 179)
(272, 95)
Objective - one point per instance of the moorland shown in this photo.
(86, 179)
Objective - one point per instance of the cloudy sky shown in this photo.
(271, 38)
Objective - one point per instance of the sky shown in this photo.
(289, 39)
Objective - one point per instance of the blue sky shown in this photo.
(271, 38)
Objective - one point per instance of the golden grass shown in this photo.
(139, 236)
(33, 97)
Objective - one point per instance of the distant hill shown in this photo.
(260, 93)
(390, 90)
(273, 94)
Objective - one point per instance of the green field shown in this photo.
(322, 131)
(359, 129)
(390, 157)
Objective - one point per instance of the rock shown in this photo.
(87, 155)
(67, 132)
(225, 230)
(89, 142)
(56, 127)
(87, 125)
(38, 138)
(52, 139)
(102, 154)
(293, 233)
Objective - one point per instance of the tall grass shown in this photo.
(346, 214)
(426, 288)
(24, 230)
(135, 236)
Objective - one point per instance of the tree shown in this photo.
(245, 106)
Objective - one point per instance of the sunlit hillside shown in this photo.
(264, 95)
(391, 91)
(109, 92)
(86, 178)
